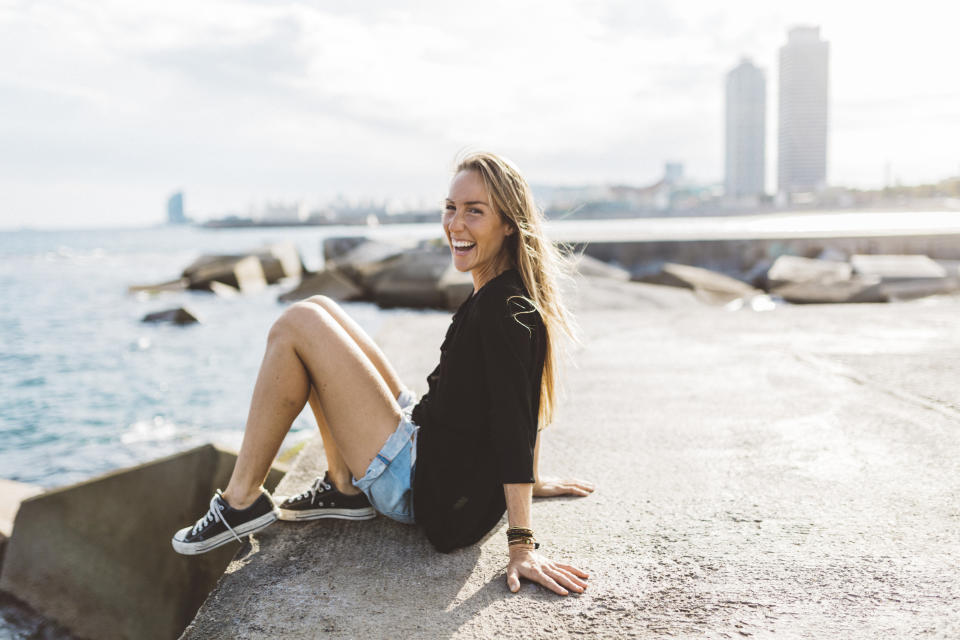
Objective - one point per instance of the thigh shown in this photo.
(357, 403)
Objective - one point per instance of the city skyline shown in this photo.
(108, 108)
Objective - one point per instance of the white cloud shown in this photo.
(240, 101)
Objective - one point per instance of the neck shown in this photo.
(485, 274)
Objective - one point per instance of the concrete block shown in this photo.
(329, 282)
(244, 273)
(280, 261)
(96, 556)
(11, 495)
(856, 289)
(413, 280)
(162, 287)
(788, 269)
(179, 315)
(897, 267)
(710, 286)
(334, 248)
(589, 266)
(456, 286)
(364, 263)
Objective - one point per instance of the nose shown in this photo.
(455, 221)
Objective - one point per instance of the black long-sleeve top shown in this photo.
(478, 421)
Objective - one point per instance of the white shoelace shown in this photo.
(313, 491)
(213, 515)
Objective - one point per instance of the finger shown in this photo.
(573, 570)
(550, 583)
(513, 580)
(569, 580)
(583, 484)
(577, 491)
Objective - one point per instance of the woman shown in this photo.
(468, 450)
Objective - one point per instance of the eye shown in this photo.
(475, 210)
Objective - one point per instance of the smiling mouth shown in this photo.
(462, 248)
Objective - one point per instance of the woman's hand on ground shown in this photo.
(548, 486)
(559, 578)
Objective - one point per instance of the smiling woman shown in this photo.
(467, 451)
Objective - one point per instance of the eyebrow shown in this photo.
(472, 202)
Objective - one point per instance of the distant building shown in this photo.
(745, 139)
(802, 132)
(175, 209)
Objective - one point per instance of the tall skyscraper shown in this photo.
(802, 134)
(746, 139)
(175, 209)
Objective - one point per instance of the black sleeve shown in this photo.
(508, 356)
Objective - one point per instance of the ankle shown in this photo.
(344, 484)
(240, 500)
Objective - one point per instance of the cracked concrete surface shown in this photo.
(791, 473)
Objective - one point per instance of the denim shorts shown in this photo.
(388, 482)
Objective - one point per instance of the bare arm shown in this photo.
(545, 486)
(525, 561)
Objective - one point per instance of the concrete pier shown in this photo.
(792, 472)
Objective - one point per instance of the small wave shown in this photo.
(158, 429)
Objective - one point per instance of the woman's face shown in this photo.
(474, 230)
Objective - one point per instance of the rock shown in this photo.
(791, 269)
(330, 283)
(412, 279)
(587, 266)
(280, 261)
(897, 267)
(152, 289)
(96, 556)
(709, 286)
(900, 290)
(855, 289)
(175, 316)
(243, 273)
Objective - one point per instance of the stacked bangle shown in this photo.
(521, 535)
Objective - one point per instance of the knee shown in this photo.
(323, 302)
(296, 319)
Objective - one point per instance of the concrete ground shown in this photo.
(793, 473)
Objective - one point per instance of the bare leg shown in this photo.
(363, 340)
(336, 465)
(308, 348)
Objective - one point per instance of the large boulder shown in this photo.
(330, 283)
(244, 273)
(709, 286)
(588, 266)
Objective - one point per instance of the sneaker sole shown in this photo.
(245, 529)
(319, 514)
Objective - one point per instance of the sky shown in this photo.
(109, 106)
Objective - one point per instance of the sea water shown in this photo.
(86, 387)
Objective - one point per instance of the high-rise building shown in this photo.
(746, 115)
(802, 133)
(175, 209)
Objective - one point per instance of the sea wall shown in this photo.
(96, 556)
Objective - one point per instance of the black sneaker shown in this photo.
(223, 524)
(322, 500)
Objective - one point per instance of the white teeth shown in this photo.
(462, 244)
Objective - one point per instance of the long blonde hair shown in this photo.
(539, 261)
